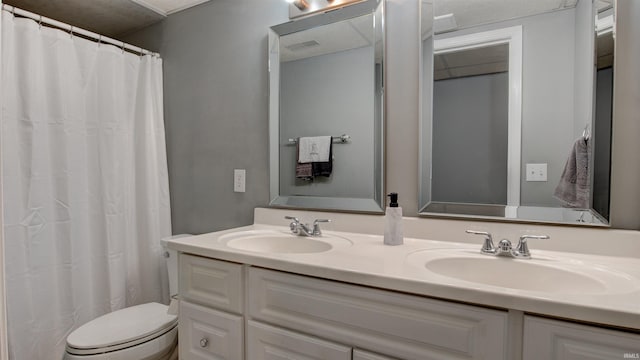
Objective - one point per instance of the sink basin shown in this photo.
(543, 274)
(281, 242)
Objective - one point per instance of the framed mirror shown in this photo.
(326, 87)
(516, 110)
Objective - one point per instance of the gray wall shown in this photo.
(216, 54)
(329, 95)
(470, 123)
(216, 108)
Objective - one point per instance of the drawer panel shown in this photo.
(409, 327)
(553, 339)
(213, 283)
(266, 342)
(206, 334)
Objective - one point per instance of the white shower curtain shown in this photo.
(85, 183)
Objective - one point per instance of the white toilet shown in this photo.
(141, 332)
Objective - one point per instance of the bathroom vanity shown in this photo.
(246, 293)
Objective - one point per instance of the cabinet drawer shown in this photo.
(266, 342)
(206, 334)
(406, 326)
(553, 339)
(213, 283)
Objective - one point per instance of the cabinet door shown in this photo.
(213, 283)
(266, 342)
(559, 340)
(365, 355)
(408, 327)
(207, 334)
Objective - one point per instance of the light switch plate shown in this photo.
(239, 178)
(536, 172)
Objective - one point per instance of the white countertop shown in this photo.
(369, 262)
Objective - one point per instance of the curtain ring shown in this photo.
(71, 32)
(99, 40)
(13, 11)
(40, 22)
(123, 47)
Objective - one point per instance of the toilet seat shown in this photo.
(122, 329)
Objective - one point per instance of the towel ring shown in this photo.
(586, 133)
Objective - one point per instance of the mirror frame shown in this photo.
(367, 205)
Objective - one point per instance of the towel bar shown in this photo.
(342, 139)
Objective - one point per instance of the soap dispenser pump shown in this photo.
(393, 222)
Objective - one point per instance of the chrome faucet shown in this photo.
(505, 248)
(301, 229)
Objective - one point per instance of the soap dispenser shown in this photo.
(393, 222)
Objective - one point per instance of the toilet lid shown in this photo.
(122, 326)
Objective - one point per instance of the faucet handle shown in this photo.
(294, 225)
(487, 247)
(522, 249)
(316, 226)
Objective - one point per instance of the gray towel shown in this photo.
(303, 171)
(574, 188)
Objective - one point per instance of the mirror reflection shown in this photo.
(326, 110)
(516, 111)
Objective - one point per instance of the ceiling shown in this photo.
(339, 36)
(479, 61)
(460, 14)
(469, 13)
(113, 18)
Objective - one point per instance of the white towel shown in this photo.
(314, 149)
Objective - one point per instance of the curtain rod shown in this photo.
(75, 30)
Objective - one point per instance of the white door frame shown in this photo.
(513, 37)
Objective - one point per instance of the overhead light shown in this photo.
(300, 4)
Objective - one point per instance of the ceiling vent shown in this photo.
(444, 23)
(302, 45)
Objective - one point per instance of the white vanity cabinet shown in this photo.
(211, 325)
(232, 311)
(384, 322)
(560, 340)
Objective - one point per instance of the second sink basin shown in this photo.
(281, 242)
(543, 274)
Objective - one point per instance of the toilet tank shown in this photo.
(171, 257)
